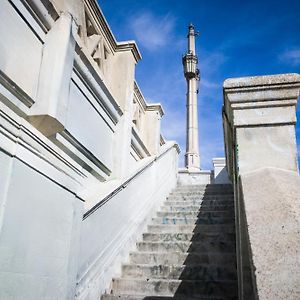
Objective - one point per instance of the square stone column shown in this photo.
(154, 114)
(259, 117)
(49, 112)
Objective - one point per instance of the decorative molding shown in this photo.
(96, 86)
(138, 145)
(156, 107)
(102, 23)
(143, 104)
(129, 46)
(12, 87)
(22, 141)
(139, 96)
(43, 12)
(100, 167)
(162, 140)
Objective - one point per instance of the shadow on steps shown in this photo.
(205, 266)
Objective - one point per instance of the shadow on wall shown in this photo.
(222, 177)
(209, 270)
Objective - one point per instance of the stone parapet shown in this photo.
(259, 117)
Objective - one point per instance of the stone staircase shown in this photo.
(188, 251)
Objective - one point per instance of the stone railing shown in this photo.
(123, 215)
(259, 117)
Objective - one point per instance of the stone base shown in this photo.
(189, 177)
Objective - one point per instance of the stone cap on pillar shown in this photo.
(259, 117)
(261, 100)
(156, 107)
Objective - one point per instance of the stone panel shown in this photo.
(38, 237)
(92, 131)
(21, 50)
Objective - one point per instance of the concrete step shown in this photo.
(195, 214)
(204, 191)
(190, 228)
(161, 287)
(190, 208)
(201, 193)
(199, 202)
(203, 187)
(179, 258)
(141, 297)
(198, 247)
(183, 197)
(185, 237)
(190, 272)
(199, 220)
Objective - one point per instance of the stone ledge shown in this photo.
(252, 81)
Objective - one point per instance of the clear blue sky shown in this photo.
(237, 38)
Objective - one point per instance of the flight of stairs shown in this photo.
(188, 252)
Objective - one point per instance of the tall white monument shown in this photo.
(191, 73)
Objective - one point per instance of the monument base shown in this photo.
(193, 177)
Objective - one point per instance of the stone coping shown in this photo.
(265, 80)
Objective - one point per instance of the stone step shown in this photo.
(190, 228)
(184, 237)
(208, 186)
(190, 208)
(162, 287)
(201, 193)
(198, 202)
(185, 246)
(199, 220)
(141, 297)
(203, 188)
(190, 272)
(195, 214)
(179, 258)
(195, 197)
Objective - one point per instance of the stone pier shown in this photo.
(259, 117)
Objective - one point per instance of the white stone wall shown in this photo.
(66, 138)
(111, 231)
(41, 214)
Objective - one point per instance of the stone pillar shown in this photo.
(259, 117)
(49, 112)
(154, 114)
(191, 73)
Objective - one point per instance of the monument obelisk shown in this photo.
(191, 73)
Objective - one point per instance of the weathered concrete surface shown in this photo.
(272, 209)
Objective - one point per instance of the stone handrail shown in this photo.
(167, 147)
